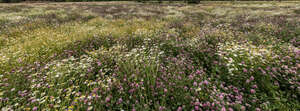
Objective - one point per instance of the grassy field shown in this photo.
(132, 56)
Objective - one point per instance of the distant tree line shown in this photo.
(16, 1)
(159, 1)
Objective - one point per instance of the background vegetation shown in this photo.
(159, 1)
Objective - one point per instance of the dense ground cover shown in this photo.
(134, 56)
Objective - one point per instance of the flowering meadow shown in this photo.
(128, 56)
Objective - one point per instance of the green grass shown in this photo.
(146, 56)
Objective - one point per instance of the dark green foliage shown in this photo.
(5, 1)
(193, 1)
(297, 11)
